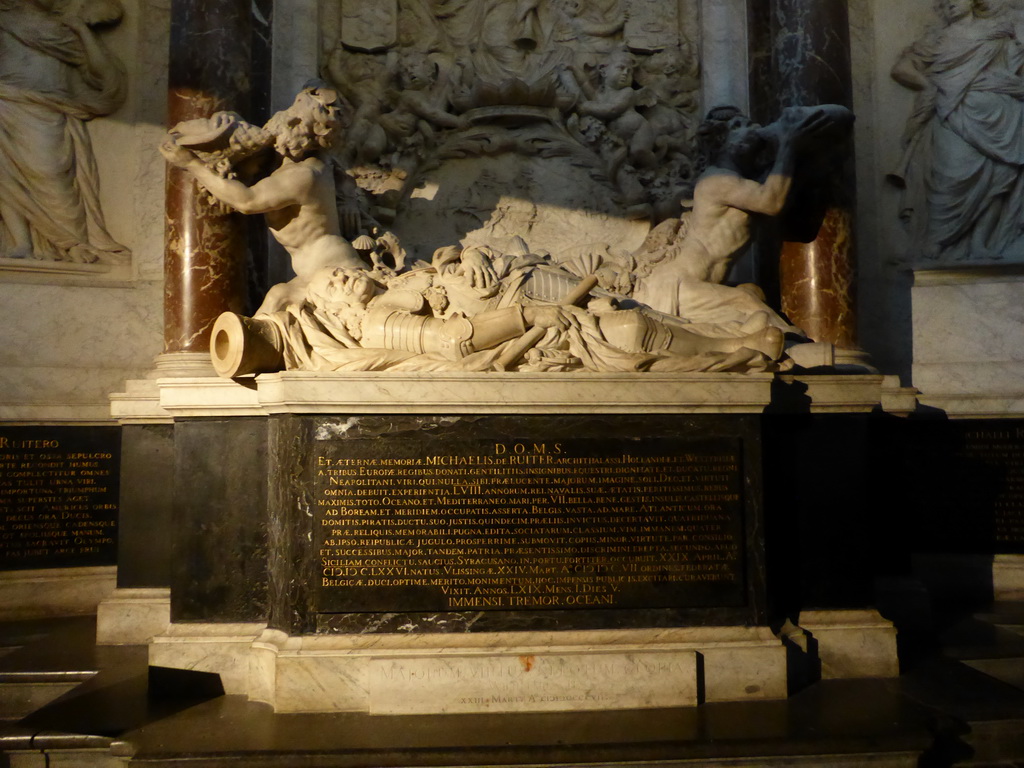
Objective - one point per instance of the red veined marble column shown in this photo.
(204, 246)
(811, 63)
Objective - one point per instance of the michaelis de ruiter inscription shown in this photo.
(477, 524)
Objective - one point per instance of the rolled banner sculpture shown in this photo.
(244, 345)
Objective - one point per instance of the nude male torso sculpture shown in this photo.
(687, 281)
(297, 199)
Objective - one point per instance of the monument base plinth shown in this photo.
(483, 672)
(133, 616)
(47, 592)
(968, 353)
(489, 543)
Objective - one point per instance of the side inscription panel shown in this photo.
(58, 496)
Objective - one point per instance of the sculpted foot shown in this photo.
(83, 254)
(768, 341)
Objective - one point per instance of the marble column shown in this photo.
(724, 66)
(811, 65)
(205, 246)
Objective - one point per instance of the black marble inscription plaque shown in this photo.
(58, 496)
(524, 524)
(969, 482)
(1001, 448)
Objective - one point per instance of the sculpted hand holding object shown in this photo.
(297, 198)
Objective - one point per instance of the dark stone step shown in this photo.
(543, 760)
(1008, 615)
(997, 742)
(1009, 671)
(840, 723)
(974, 638)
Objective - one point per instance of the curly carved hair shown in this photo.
(311, 123)
(713, 133)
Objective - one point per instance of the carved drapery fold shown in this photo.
(56, 73)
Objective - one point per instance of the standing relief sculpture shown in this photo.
(962, 168)
(56, 73)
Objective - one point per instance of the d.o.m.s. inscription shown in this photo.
(527, 524)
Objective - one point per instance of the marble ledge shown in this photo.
(484, 393)
(50, 592)
(517, 672)
(866, 618)
(985, 379)
(424, 393)
(544, 682)
(133, 616)
(969, 275)
(853, 643)
(221, 649)
(980, 406)
(845, 393)
(1008, 577)
(66, 273)
(70, 414)
(139, 404)
(487, 642)
(498, 672)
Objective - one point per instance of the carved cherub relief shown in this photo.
(615, 102)
(550, 78)
(421, 102)
(363, 81)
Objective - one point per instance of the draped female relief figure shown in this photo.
(964, 141)
(55, 74)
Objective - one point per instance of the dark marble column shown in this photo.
(204, 255)
(763, 108)
(146, 525)
(811, 65)
(218, 569)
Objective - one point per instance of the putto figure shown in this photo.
(298, 197)
(615, 102)
(55, 74)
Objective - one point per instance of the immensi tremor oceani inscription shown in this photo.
(525, 525)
